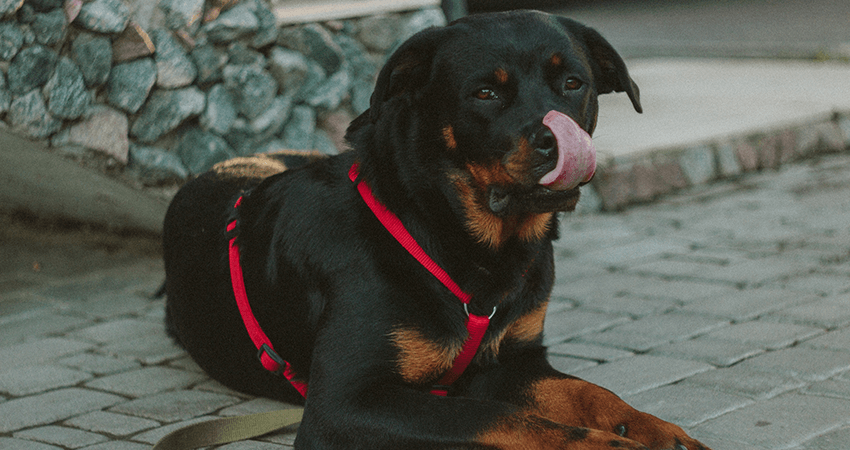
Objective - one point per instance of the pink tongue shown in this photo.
(576, 154)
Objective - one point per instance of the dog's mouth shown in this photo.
(557, 189)
(506, 201)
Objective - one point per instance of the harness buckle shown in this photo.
(281, 363)
(466, 310)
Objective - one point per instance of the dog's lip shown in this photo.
(555, 200)
(535, 200)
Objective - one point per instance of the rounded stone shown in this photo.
(130, 83)
(66, 91)
(200, 150)
(93, 54)
(31, 69)
(104, 16)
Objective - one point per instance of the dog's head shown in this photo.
(494, 113)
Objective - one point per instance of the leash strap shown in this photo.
(476, 325)
(270, 360)
(229, 429)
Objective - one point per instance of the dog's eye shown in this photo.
(572, 84)
(486, 94)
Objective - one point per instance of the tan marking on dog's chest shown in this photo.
(421, 360)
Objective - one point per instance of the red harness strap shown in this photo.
(476, 325)
(268, 357)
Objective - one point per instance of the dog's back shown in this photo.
(194, 245)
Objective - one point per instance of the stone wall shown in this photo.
(154, 92)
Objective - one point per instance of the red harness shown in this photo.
(476, 325)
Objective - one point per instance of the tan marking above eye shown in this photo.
(556, 60)
(449, 137)
(501, 76)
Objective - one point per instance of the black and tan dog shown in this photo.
(456, 147)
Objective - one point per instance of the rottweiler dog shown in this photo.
(476, 138)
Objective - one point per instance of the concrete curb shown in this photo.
(52, 187)
(643, 177)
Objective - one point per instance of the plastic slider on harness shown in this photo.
(266, 351)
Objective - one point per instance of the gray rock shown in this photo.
(66, 91)
(266, 33)
(165, 111)
(379, 33)
(5, 95)
(130, 83)
(9, 6)
(294, 72)
(174, 68)
(31, 69)
(271, 121)
(419, 21)
(361, 95)
(200, 150)
(220, 112)
(323, 143)
(209, 61)
(315, 42)
(240, 137)
(298, 133)
(363, 71)
(93, 54)
(50, 28)
(234, 23)
(155, 166)
(28, 114)
(26, 14)
(104, 16)
(254, 89)
(11, 40)
(357, 57)
(332, 92)
(103, 129)
(182, 14)
(238, 54)
(44, 5)
(274, 145)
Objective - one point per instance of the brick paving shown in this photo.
(724, 308)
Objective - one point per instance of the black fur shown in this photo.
(333, 290)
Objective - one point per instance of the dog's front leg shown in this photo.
(529, 381)
(397, 417)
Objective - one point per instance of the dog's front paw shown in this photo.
(529, 431)
(655, 433)
(576, 402)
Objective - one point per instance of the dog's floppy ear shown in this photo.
(614, 76)
(407, 69)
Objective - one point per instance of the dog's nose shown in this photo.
(544, 143)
